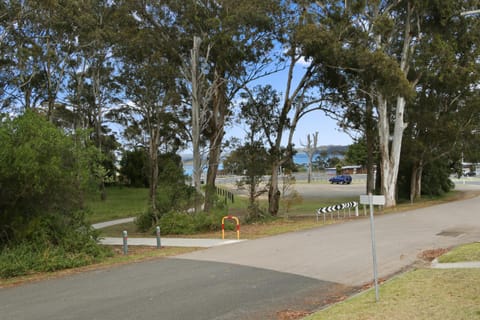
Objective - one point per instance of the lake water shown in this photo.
(299, 158)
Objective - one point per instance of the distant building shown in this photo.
(357, 169)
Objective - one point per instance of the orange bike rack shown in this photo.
(229, 217)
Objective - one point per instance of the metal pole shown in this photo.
(159, 243)
(125, 242)
(374, 253)
(466, 13)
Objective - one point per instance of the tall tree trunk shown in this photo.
(370, 142)
(390, 150)
(217, 127)
(196, 109)
(213, 159)
(153, 176)
(273, 191)
(98, 123)
(416, 181)
(390, 146)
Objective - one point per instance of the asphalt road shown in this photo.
(165, 289)
(252, 279)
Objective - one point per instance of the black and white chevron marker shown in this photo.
(337, 207)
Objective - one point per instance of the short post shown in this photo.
(374, 251)
(230, 217)
(159, 243)
(125, 242)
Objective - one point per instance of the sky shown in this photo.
(329, 132)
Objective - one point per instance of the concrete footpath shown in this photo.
(169, 242)
(165, 242)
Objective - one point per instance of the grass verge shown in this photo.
(420, 294)
(448, 294)
(463, 253)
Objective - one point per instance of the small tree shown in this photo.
(251, 160)
(44, 175)
(173, 195)
(290, 196)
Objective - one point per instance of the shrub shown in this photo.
(26, 258)
(185, 223)
(44, 175)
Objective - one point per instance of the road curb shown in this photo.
(455, 265)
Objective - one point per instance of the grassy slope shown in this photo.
(120, 203)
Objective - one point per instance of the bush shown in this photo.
(175, 222)
(44, 174)
(436, 179)
(26, 258)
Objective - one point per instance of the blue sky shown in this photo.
(328, 131)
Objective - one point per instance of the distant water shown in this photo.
(188, 169)
(302, 158)
(299, 158)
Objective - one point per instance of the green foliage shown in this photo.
(170, 198)
(175, 222)
(357, 153)
(43, 173)
(134, 168)
(26, 258)
(249, 160)
(57, 242)
(435, 180)
(255, 213)
(173, 195)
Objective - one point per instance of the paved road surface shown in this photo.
(342, 253)
(248, 280)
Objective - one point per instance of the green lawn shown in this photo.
(447, 294)
(420, 294)
(121, 202)
(464, 253)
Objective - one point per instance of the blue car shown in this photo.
(343, 179)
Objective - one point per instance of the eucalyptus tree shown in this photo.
(239, 36)
(200, 94)
(301, 94)
(152, 113)
(377, 43)
(381, 50)
(91, 70)
(444, 115)
(40, 42)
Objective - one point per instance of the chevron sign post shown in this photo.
(338, 207)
